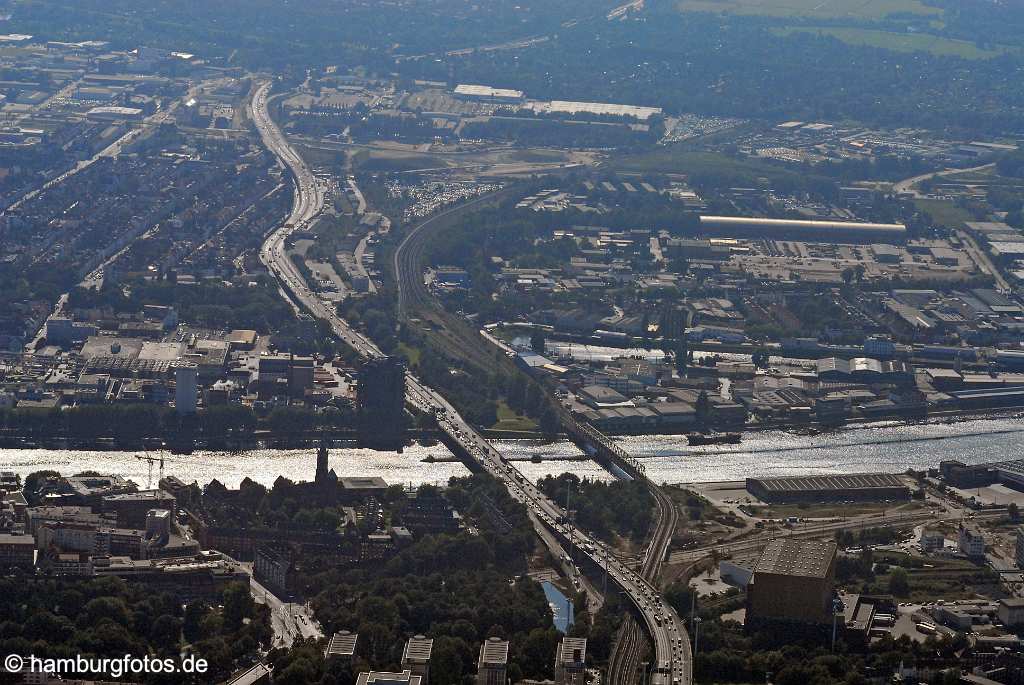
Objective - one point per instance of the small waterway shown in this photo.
(561, 606)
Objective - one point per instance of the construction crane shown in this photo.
(152, 460)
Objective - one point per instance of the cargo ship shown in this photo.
(713, 438)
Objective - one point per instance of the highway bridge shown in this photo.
(672, 664)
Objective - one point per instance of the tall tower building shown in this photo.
(416, 657)
(493, 664)
(186, 387)
(571, 661)
(380, 404)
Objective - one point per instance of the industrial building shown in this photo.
(487, 93)
(793, 581)
(793, 229)
(857, 487)
(380, 404)
(864, 370)
(111, 113)
(596, 108)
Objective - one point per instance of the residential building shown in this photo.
(571, 661)
(971, 542)
(17, 551)
(382, 678)
(272, 566)
(493, 663)
(1011, 611)
(416, 657)
(935, 540)
(342, 644)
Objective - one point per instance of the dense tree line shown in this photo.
(623, 508)
(729, 654)
(286, 505)
(459, 589)
(108, 617)
(691, 62)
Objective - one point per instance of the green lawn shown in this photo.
(508, 420)
(832, 9)
(830, 510)
(411, 353)
(944, 212)
(900, 42)
(673, 159)
(947, 579)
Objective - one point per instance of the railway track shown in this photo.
(625, 660)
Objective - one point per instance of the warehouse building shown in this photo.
(487, 93)
(793, 581)
(814, 231)
(857, 487)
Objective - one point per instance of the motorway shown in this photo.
(907, 185)
(673, 665)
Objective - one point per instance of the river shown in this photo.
(864, 448)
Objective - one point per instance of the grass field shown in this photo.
(829, 510)
(508, 420)
(899, 42)
(672, 159)
(944, 212)
(832, 9)
(413, 354)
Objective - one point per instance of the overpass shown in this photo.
(672, 650)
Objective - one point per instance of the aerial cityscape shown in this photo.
(426, 342)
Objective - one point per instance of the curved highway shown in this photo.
(672, 665)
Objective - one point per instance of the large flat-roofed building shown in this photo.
(493, 663)
(596, 108)
(204, 576)
(487, 93)
(132, 508)
(796, 229)
(854, 487)
(793, 581)
(112, 113)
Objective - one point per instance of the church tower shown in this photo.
(321, 463)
